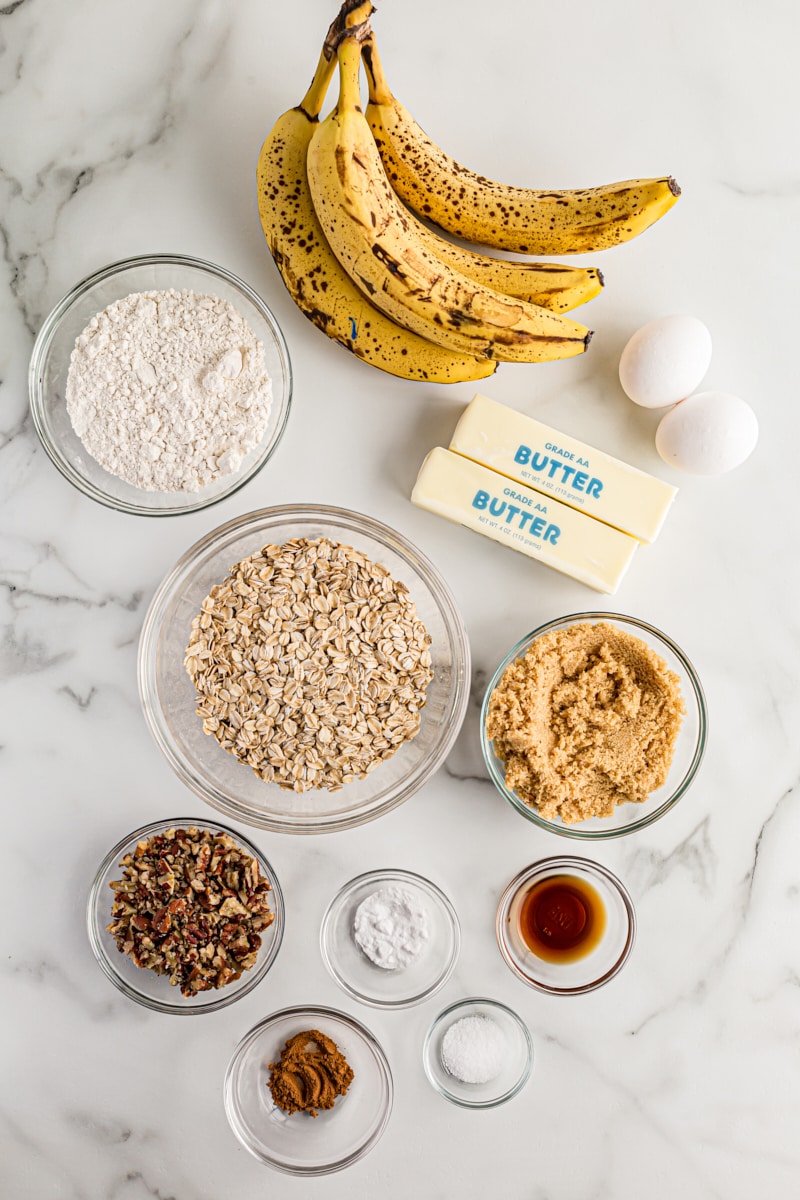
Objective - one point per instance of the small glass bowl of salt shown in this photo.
(390, 938)
(478, 1053)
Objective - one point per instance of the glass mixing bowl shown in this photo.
(147, 988)
(168, 696)
(516, 1068)
(689, 749)
(298, 1143)
(47, 377)
(399, 987)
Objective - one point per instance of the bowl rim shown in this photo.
(561, 863)
(312, 1011)
(493, 764)
(221, 1000)
(382, 875)
(486, 1002)
(41, 349)
(358, 523)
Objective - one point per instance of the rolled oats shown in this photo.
(310, 663)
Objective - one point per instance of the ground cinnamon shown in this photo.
(311, 1073)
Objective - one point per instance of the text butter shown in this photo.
(556, 535)
(555, 463)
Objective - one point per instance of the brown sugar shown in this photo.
(586, 719)
(310, 1074)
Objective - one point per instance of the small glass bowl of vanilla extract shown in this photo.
(565, 925)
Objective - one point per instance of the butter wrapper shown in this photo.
(546, 530)
(562, 467)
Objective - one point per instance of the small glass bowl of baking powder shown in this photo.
(455, 1046)
(50, 366)
(405, 979)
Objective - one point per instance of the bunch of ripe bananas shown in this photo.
(338, 199)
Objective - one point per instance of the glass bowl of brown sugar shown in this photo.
(584, 711)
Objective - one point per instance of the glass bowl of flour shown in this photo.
(160, 385)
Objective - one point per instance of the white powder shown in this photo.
(391, 927)
(474, 1049)
(169, 390)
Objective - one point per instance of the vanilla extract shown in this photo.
(562, 919)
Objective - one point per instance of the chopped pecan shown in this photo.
(161, 920)
(172, 909)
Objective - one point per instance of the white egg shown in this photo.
(707, 434)
(665, 360)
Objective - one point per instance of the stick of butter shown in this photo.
(469, 494)
(553, 462)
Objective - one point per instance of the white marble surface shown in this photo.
(134, 128)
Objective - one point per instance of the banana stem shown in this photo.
(379, 90)
(312, 102)
(357, 14)
(354, 15)
(351, 22)
(349, 75)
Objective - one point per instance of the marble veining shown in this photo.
(133, 129)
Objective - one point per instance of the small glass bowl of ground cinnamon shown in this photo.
(594, 725)
(308, 1091)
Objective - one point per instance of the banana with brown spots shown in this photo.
(383, 252)
(319, 286)
(550, 285)
(495, 214)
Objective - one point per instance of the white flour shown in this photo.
(169, 390)
(391, 927)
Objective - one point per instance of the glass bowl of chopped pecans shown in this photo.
(185, 917)
(304, 669)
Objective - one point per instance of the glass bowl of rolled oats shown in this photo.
(185, 917)
(304, 669)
